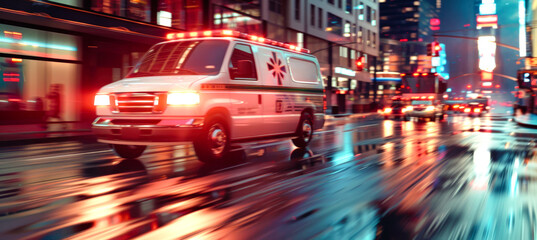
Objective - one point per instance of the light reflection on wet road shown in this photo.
(463, 178)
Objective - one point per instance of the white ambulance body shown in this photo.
(212, 91)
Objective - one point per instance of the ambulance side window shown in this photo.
(242, 64)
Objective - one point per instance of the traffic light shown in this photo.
(436, 49)
(468, 86)
(360, 64)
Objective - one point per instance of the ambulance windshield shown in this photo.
(197, 57)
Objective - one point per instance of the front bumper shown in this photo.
(162, 132)
(420, 114)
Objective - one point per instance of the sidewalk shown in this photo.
(41, 133)
(528, 119)
(11, 135)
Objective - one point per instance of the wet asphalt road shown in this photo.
(462, 178)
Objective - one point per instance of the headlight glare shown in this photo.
(101, 100)
(429, 108)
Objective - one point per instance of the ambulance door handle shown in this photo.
(259, 99)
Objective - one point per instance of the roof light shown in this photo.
(415, 74)
(424, 74)
(237, 34)
(431, 97)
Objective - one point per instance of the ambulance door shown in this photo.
(278, 97)
(245, 97)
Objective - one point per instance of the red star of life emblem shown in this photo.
(277, 68)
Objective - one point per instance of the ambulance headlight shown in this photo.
(101, 100)
(429, 108)
(183, 98)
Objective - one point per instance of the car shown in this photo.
(475, 109)
(395, 111)
(422, 109)
(212, 88)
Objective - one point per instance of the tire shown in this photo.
(304, 131)
(433, 118)
(405, 118)
(128, 151)
(441, 118)
(386, 118)
(212, 145)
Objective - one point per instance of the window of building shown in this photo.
(334, 24)
(340, 4)
(297, 9)
(137, 10)
(303, 70)
(331, 2)
(368, 14)
(312, 15)
(300, 39)
(353, 54)
(348, 6)
(225, 18)
(368, 39)
(320, 18)
(373, 17)
(360, 35)
(347, 29)
(275, 6)
(343, 51)
(242, 54)
(361, 11)
(374, 40)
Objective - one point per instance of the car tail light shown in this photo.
(467, 110)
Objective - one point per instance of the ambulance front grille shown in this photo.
(137, 103)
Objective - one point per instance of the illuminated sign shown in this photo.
(522, 27)
(486, 46)
(164, 18)
(487, 9)
(487, 21)
(345, 71)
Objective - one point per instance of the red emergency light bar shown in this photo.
(235, 34)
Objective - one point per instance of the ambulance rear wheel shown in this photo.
(304, 131)
(128, 151)
(213, 143)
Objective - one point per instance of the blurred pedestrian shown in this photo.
(54, 97)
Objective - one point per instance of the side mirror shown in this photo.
(243, 69)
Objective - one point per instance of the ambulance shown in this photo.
(212, 88)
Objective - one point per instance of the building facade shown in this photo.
(412, 24)
(56, 54)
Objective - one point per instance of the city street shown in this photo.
(461, 178)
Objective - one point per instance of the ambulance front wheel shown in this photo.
(128, 151)
(304, 131)
(213, 143)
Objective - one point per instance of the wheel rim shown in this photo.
(218, 139)
(307, 131)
